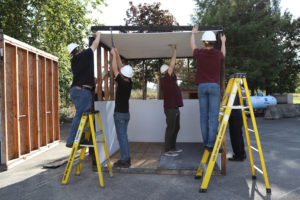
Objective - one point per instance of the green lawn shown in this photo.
(296, 98)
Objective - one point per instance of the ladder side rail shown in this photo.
(225, 98)
(104, 144)
(91, 123)
(257, 136)
(219, 138)
(74, 149)
(246, 130)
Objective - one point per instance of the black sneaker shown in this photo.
(210, 149)
(237, 158)
(69, 145)
(122, 164)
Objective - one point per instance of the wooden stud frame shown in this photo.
(28, 99)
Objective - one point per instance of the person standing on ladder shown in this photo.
(82, 64)
(209, 62)
(236, 132)
(121, 113)
(172, 102)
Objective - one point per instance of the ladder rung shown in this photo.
(250, 130)
(244, 97)
(99, 132)
(259, 170)
(227, 94)
(221, 113)
(247, 112)
(240, 107)
(255, 149)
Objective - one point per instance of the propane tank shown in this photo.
(262, 102)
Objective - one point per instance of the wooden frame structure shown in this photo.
(109, 82)
(28, 101)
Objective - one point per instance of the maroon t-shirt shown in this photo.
(171, 91)
(208, 65)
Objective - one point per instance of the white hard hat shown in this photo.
(127, 71)
(164, 68)
(209, 36)
(71, 47)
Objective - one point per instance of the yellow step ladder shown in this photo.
(90, 117)
(233, 88)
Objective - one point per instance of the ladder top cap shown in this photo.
(90, 112)
(238, 75)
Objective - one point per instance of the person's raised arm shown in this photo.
(173, 59)
(119, 61)
(193, 42)
(95, 43)
(114, 67)
(223, 48)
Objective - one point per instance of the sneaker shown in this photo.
(210, 149)
(236, 158)
(122, 164)
(171, 154)
(177, 150)
(69, 145)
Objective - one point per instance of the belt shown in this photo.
(84, 87)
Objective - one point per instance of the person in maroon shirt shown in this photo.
(172, 102)
(209, 62)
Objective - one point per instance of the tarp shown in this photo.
(151, 45)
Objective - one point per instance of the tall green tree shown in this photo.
(50, 25)
(144, 15)
(255, 38)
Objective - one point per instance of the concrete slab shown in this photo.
(281, 146)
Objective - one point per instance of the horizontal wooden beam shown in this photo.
(154, 28)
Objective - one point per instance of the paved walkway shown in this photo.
(281, 147)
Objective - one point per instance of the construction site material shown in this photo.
(28, 100)
(87, 126)
(282, 111)
(233, 88)
(284, 98)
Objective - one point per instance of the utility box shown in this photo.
(29, 117)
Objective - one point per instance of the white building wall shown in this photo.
(148, 122)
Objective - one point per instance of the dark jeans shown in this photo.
(236, 136)
(173, 126)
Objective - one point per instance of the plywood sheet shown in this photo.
(151, 45)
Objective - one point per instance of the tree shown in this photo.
(144, 15)
(49, 25)
(255, 39)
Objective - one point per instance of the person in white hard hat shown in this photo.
(172, 102)
(209, 61)
(82, 64)
(121, 112)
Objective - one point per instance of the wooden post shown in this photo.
(106, 95)
(56, 100)
(15, 104)
(99, 74)
(111, 81)
(3, 127)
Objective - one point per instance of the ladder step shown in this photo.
(255, 149)
(221, 113)
(99, 132)
(250, 130)
(227, 94)
(247, 112)
(240, 107)
(259, 170)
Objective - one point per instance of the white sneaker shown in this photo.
(171, 154)
(177, 150)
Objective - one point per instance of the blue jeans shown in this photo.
(82, 99)
(209, 102)
(121, 123)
